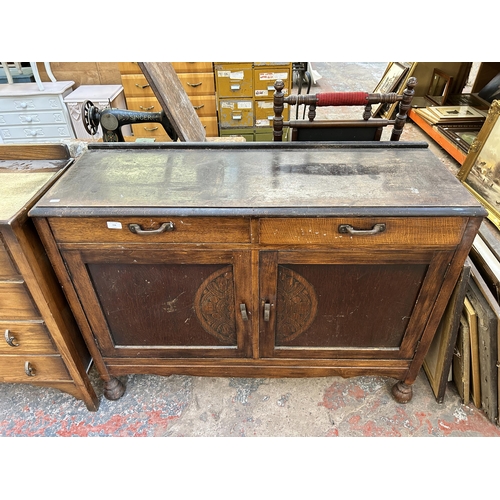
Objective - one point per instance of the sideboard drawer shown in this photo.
(121, 230)
(29, 132)
(15, 302)
(25, 337)
(396, 231)
(43, 369)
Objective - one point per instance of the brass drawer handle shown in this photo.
(347, 228)
(267, 311)
(199, 107)
(164, 228)
(149, 108)
(142, 86)
(29, 370)
(194, 84)
(243, 309)
(10, 340)
(150, 129)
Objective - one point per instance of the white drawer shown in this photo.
(36, 133)
(33, 119)
(31, 103)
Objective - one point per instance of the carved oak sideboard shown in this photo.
(258, 260)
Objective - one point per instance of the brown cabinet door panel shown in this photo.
(161, 303)
(322, 307)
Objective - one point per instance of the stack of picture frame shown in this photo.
(466, 348)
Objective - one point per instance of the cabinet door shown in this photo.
(165, 303)
(347, 304)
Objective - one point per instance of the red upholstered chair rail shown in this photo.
(342, 99)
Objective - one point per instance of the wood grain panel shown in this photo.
(15, 302)
(30, 337)
(45, 369)
(187, 230)
(399, 231)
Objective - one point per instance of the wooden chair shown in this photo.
(367, 129)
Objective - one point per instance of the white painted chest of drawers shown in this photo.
(28, 114)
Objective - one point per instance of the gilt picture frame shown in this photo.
(390, 81)
(480, 172)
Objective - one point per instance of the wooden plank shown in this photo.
(461, 361)
(174, 101)
(475, 383)
(34, 152)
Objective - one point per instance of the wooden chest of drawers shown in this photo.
(30, 115)
(41, 343)
(258, 260)
(197, 79)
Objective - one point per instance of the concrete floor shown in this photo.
(175, 406)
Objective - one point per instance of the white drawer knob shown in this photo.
(23, 105)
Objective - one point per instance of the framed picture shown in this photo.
(462, 135)
(390, 81)
(440, 87)
(480, 172)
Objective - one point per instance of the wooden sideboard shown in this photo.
(256, 259)
(41, 342)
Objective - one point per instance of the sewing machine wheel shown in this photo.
(90, 117)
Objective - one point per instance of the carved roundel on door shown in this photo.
(214, 305)
(297, 305)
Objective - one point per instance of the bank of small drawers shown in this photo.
(30, 115)
(245, 94)
(197, 80)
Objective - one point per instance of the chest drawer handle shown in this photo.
(152, 129)
(164, 228)
(194, 84)
(149, 108)
(199, 107)
(142, 86)
(29, 370)
(10, 340)
(347, 228)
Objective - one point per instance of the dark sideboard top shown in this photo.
(258, 179)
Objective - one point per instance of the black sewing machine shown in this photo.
(111, 119)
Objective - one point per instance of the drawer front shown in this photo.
(7, 267)
(148, 130)
(193, 67)
(236, 113)
(31, 103)
(197, 83)
(25, 338)
(43, 369)
(204, 105)
(234, 80)
(129, 68)
(33, 119)
(210, 125)
(144, 104)
(136, 86)
(15, 302)
(399, 232)
(264, 113)
(186, 230)
(265, 78)
(34, 132)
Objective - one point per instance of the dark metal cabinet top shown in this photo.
(258, 179)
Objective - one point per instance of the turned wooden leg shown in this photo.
(402, 392)
(113, 389)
